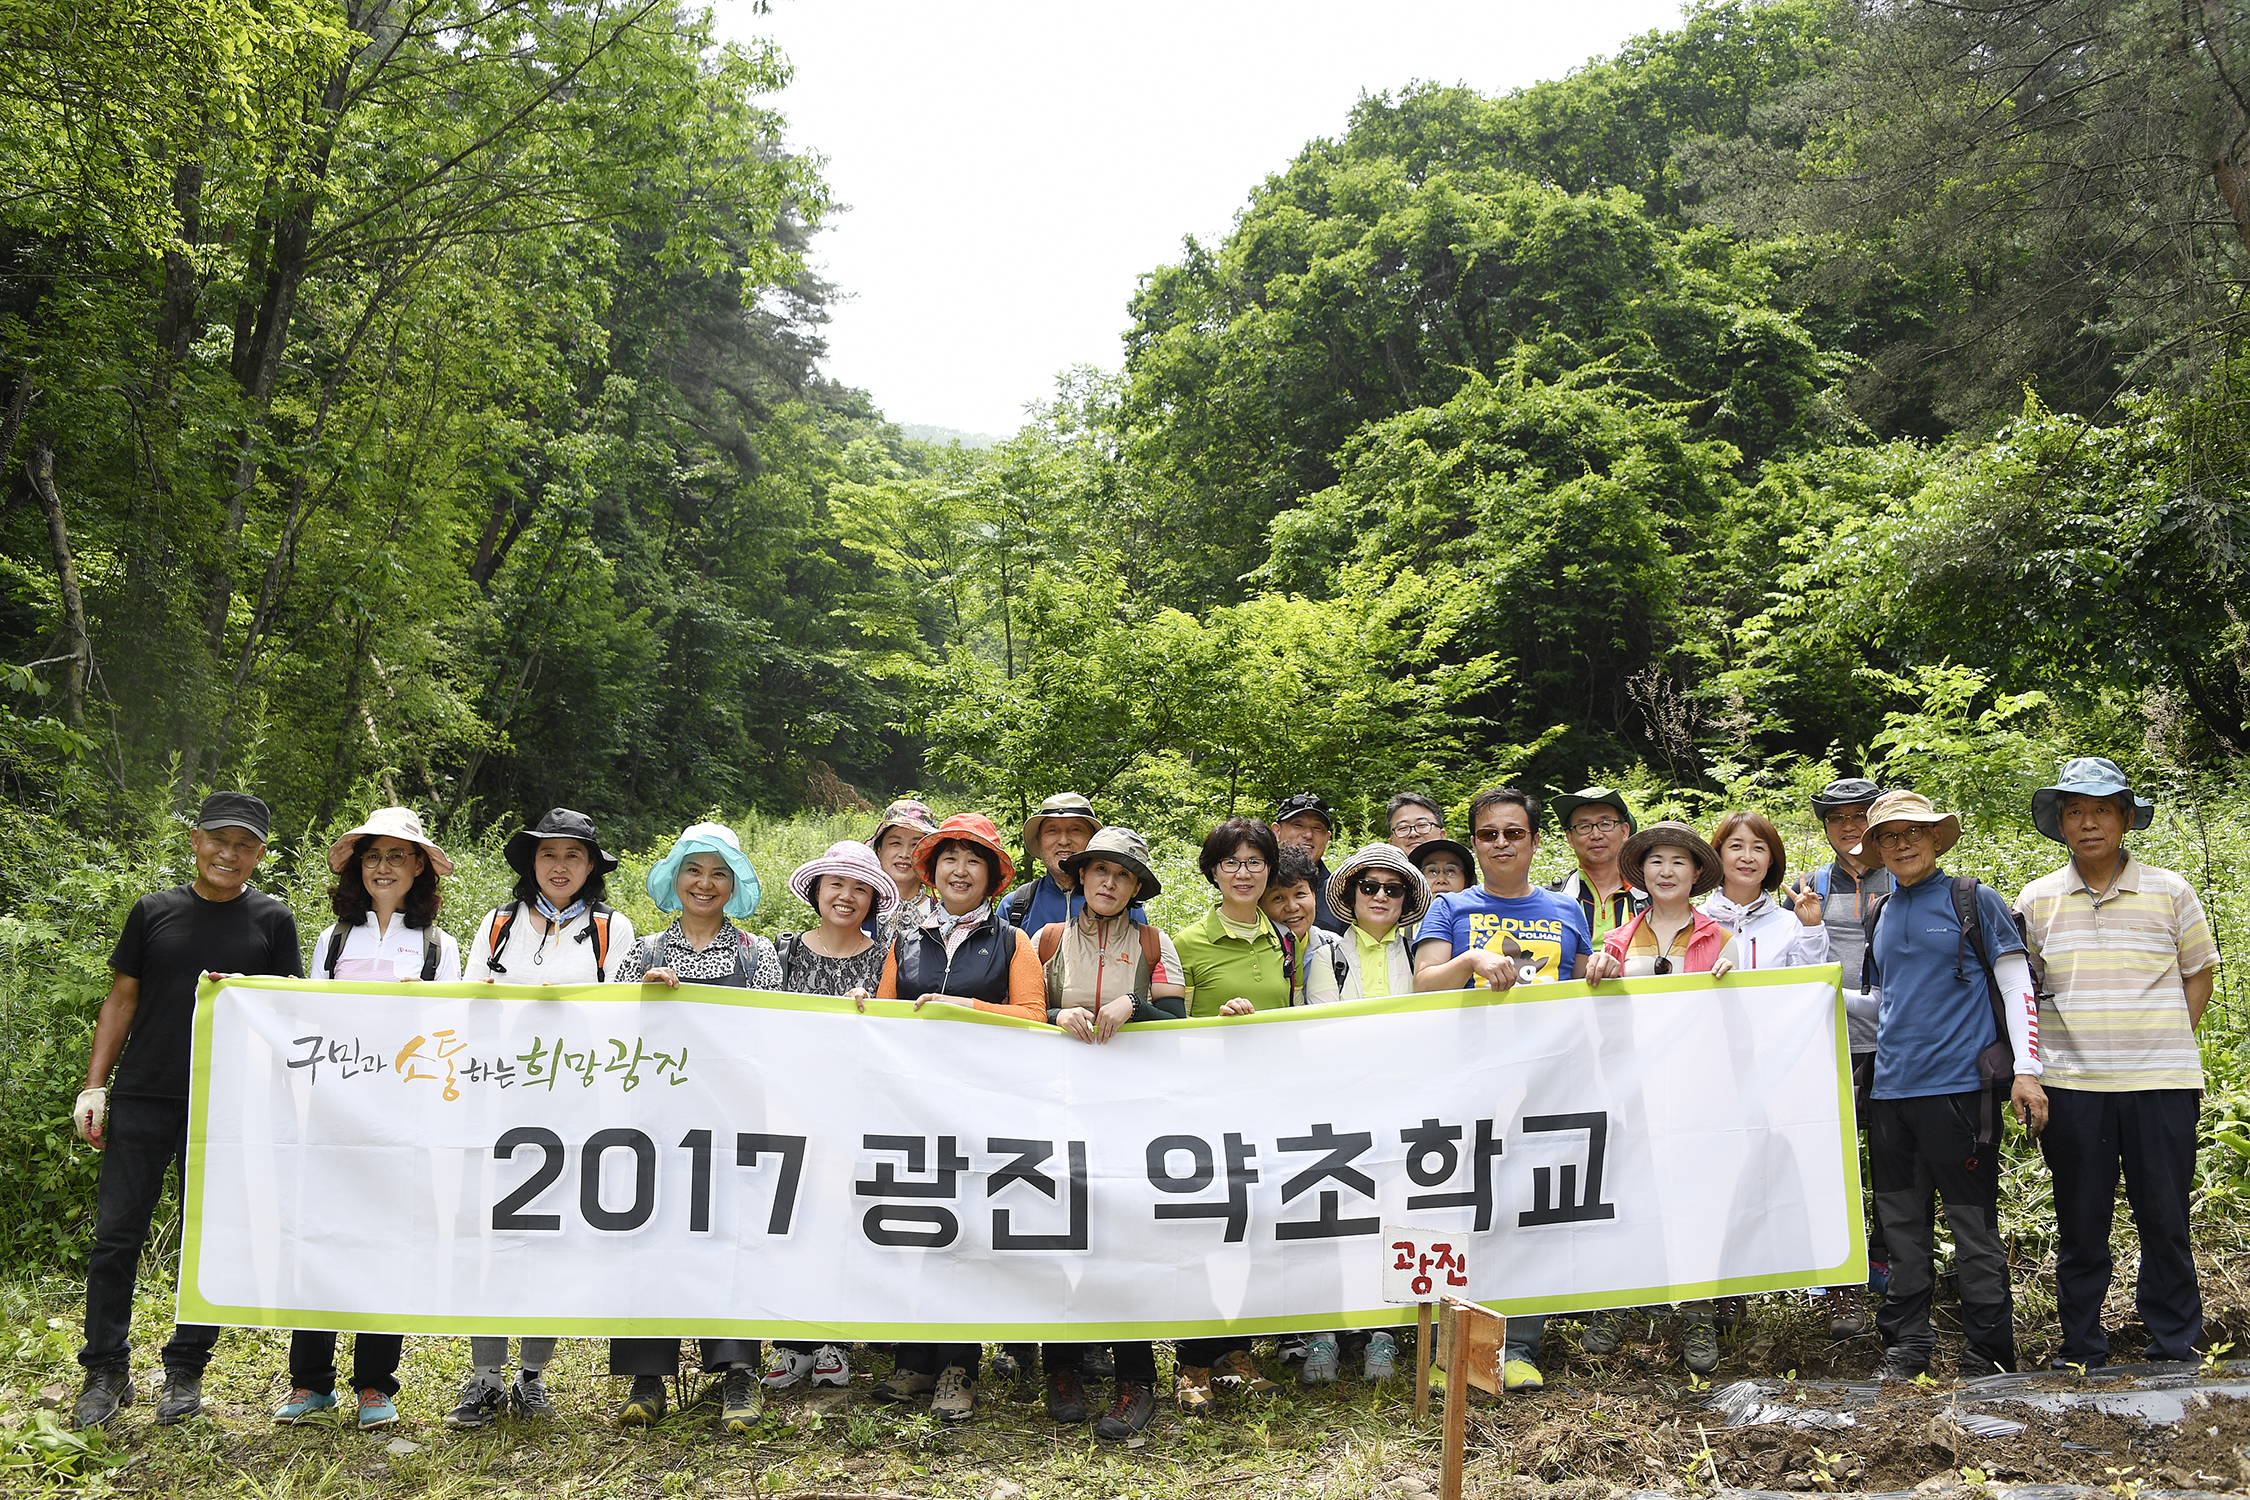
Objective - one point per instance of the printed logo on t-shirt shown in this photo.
(1539, 944)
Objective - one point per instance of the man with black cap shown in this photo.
(215, 924)
(2128, 961)
(1304, 821)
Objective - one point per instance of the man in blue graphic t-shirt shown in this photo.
(1496, 935)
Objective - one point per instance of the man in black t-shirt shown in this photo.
(215, 924)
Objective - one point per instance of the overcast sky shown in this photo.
(1012, 167)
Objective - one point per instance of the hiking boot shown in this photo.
(1700, 1347)
(789, 1367)
(1899, 1365)
(1847, 1318)
(1240, 1372)
(1879, 1277)
(742, 1401)
(1191, 1387)
(527, 1398)
(905, 1385)
(1128, 1416)
(1098, 1363)
(1600, 1334)
(1321, 1362)
(1520, 1374)
(305, 1406)
(1066, 1396)
(954, 1398)
(481, 1401)
(1975, 1366)
(104, 1393)
(644, 1402)
(1006, 1366)
(1382, 1357)
(375, 1410)
(830, 1367)
(182, 1397)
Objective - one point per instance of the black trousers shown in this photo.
(662, 1356)
(144, 1137)
(1913, 1147)
(312, 1361)
(1136, 1361)
(1202, 1354)
(932, 1359)
(2150, 1133)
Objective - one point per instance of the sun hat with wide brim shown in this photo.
(1343, 899)
(904, 813)
(704, 838)
(970, 828)
(1062, 805)
(1603, 796)
(854, 861)
(1421, 852)
(1670, 835)
(559, 823)
(2087, 776)
(1120, 846)
(1908, 807)
(389, 823)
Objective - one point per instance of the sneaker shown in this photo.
(1899, 1365)
(181, 1398)
(1066, 1397)
(1320, 1361)
(1240, 1372)
(1191, 1387)
(1600, 1334)
(480, 1402)
(905, 1385)
(644, 1402)
(527, 1398)
(1700, 1345)
(1128, 1416)
(789, 1367)
(742, 1400)
(830, 1367)
(1290, 1350)
(1847, 1318)
(954, 1398)
(105, 1392)
(1098, 1363)
(305, 1406)
(1382, 1357)
(1520, 1374)
(1975, 1366)
(375, 1410)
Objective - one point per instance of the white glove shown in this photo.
(90, 1113)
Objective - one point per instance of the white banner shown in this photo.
(626, 1161)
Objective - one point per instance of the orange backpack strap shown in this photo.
(599, 917)
(503, 918)
(1050, 943)
(1152, 948)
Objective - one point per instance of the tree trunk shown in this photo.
(42, 472)
(18, 404)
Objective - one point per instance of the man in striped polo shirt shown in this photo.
(2129, 962)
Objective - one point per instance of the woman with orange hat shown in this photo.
(959, 954)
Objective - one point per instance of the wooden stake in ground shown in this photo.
(1473, 1339)
(1422, 1362)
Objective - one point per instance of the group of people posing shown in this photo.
(2075, 1009)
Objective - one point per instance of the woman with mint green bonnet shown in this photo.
(705, 878)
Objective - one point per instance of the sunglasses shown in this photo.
(1663, 965)
(1381, 888)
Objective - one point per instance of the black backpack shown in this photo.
(1996, 1063)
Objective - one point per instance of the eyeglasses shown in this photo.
(1495, 835)
(1389, 888)
(1846, 817)
(1418, 826)
(383, 859)
(1597, 825)
(1899, 838)
(1242, 866)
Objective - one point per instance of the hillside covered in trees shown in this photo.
(424, 401)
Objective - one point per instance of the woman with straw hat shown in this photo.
(386, 901)
(1380, 892)
(706, 878)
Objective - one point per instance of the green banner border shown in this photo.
(192, 1308)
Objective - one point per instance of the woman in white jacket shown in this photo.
(1773, 928)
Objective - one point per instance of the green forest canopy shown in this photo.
(423, 400)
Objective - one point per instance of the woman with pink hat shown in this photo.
(960, 954)
(386, 902)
